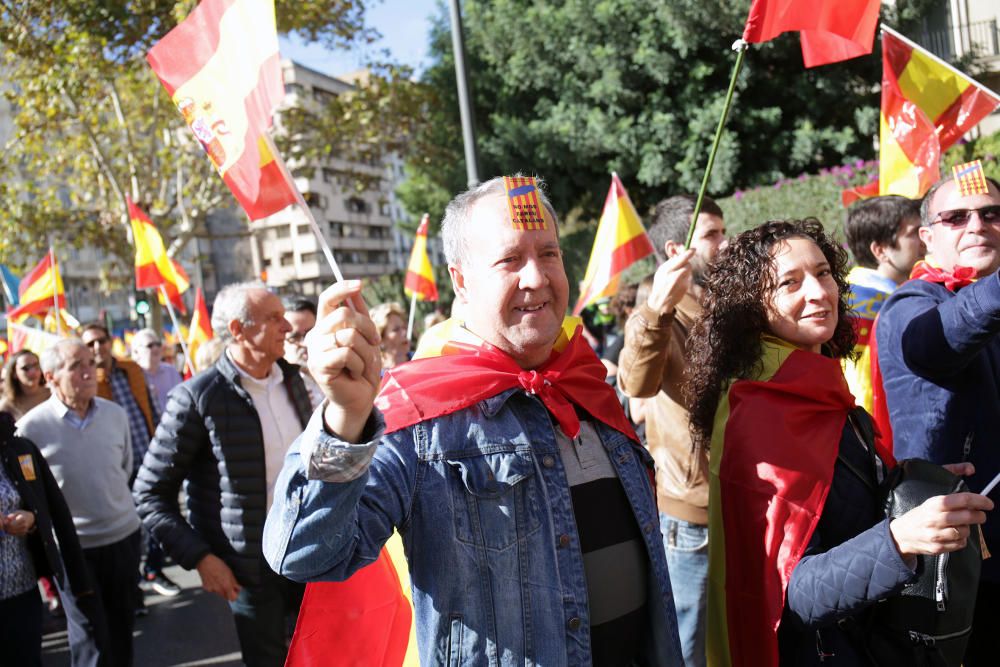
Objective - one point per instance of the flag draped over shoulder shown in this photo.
(927, 106)
(620, 242)
(774, 444)
(419, 273)
(40, 289)
(830, 30)
(153, 268)
(222, 69)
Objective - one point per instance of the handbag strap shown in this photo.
(865, 432)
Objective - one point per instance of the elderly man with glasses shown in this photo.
(939, 353)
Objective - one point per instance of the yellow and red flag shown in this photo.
(927, 105)
(620, 242)
(829, 30)
(523, 202)
(201, 326)
(222, 69)
(20, 337)
(419, 273)
(153, 268)
(971, 178)
(768, 483)
(40, 290)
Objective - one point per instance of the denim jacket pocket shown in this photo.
(494, 499)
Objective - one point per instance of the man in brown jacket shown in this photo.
(652, 366)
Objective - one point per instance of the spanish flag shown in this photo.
(774, 444)
(222, 69)
(201, 327)
(40, 290)
(620, 242)
(153, 268)
(829, 30)
(420, 274)
(927, 105)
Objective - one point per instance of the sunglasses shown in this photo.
(153, 345)
(960, 216)
(99, 341)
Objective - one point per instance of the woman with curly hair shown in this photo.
(23, 384)
(796, 548)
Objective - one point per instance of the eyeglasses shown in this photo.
(99, 341)
(959, 217)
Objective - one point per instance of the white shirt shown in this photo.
(279, 422)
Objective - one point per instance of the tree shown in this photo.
(92, 125)
(575, 90)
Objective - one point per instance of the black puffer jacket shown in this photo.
(210, 435)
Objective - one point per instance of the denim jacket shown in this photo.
(481, 500)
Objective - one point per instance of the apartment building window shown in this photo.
(336, 229)
(286, 259)
(293, 88)
(315, 200)
(356, 205)
(384, 208)
(283, 232)
(378, 257)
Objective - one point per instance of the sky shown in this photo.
(405, 28)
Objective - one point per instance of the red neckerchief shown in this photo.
(953, 280)
(466, 374)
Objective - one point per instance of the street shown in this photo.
(191, 629)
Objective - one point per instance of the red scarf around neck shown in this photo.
(953, 280)
(465, 374)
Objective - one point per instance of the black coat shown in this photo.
(54, 546)
(850, 564)
(210, 435)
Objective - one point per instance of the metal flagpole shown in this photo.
(464, 105)
(413, 310)
(177, 328)
(740, 47)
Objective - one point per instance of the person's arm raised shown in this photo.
(344, 359)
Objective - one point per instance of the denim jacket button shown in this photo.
(548, 461)
(564, 540)
(573, 623)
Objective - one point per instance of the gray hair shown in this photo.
(52, 358)
(459, 211)
(232, 303)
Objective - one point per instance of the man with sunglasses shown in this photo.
(939, 353)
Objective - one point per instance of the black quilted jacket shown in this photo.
(210, 435)
(850, 564)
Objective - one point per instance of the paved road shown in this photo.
(192, 629)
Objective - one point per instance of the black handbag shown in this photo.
(929, 621)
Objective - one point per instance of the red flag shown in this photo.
(419, 274)
(830, 30)
(40, 289)
(222, 69)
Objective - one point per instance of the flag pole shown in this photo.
(320, 239)
(740, 46)
(173, 318)
(55, 286)
(413, 310)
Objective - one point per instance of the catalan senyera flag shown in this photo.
(201, 326)
(829, 30)
(768, 482)
(419, 273)
(971, 178)
(927, 105)
(222, 69)
(620, 242)
(40, 289)
(523, 202)
(153, 268)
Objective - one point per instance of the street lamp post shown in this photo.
(464, 104)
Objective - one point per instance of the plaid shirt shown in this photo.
(121, 392)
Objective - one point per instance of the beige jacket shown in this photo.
(652, 364)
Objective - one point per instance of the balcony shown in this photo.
(980, 38)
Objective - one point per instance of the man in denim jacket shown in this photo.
(529, 522)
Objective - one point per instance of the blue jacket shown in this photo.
(851, 563)
(939, 353)
(481, 499)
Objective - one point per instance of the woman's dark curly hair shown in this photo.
(726, 341)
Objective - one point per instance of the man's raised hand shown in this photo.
(344, 358)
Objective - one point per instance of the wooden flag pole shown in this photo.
(740, 47)
(173, 318)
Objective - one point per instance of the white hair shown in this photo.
(459, 211)
(233, 303)
(52, 358)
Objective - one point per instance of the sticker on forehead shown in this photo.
(970, 178)
(523, 202)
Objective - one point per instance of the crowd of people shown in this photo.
(705, 489)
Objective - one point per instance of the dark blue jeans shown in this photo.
(265, 617)
(21, 630)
